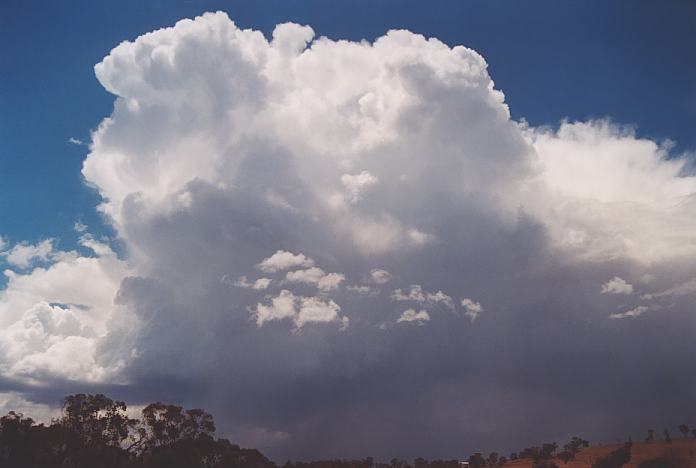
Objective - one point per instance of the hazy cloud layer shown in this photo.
(345, 249)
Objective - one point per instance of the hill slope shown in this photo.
(683, 450)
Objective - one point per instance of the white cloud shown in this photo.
(415, 293)
(282, 260)
(316, 276)
(612, 195)
(39, 412)
(356, 184)
(282, 306)
(302, 310)
(410, 315)
(379, 276)
(616, 285)
(441, 298)
(258, 284)
(683, 289)
(51, 322)
(362, 289)
(385, 234)
(316, 310)
(22, 255)
(635, 312)
(472, 309)
(223, 148)
(49, 341)
(291, 39)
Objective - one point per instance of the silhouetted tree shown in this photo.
(92, 429)
(97, 419)
(95, 432)
(651, 436)
(17, 442)
(477, 461)
(550, 448)
(493, 459)
(530, 452)
(668, 438)
(541, 456)
(571, 448)
(684, 429)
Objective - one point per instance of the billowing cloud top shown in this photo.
(327, 235)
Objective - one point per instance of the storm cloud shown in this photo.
(350, 248)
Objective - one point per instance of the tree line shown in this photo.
(96, 431)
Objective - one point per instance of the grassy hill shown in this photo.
(682, 451)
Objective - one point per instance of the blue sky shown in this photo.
(338, 247)
(553, 60)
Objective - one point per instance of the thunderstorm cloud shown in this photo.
(354, 245)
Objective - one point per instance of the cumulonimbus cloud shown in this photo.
(332, 184)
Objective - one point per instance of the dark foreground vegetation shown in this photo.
(97, 432)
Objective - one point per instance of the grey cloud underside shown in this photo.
(399, 157)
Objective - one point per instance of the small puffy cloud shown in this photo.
(302, 310)
(79, 227)
(415, 293)
(635, 312)
(75, 141)
(617, 285)
(316, 276)
(362, 289)
(258, 284)
(316, 310)
(472, 309)
(440, 298)
(282, 260)
(410, 315)
(3, 244)
(356, 184)
(281, 307)
(379, 276)
(22, 255)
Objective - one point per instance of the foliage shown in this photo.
(96, 431)
(684, 429)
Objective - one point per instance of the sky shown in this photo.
(352, 228)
